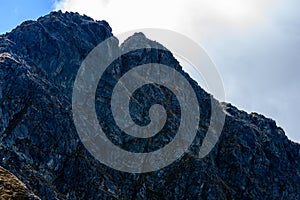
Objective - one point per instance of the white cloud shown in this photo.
(254, 43)
(211, 16)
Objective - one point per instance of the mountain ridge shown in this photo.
(253, 158)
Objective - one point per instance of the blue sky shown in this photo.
(255, 44)
(14, 12)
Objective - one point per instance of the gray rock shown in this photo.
(39, 60)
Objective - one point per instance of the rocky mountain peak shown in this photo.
(57, 43)
(139, 40)
(39, 60)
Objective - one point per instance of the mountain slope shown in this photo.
(12, 188)
(253, 158)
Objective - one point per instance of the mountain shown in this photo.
(39, 61)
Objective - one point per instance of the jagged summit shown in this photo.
(139, 40)
(57, 42)
(63, 17)
(253, 158)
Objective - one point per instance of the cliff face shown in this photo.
(253, 158)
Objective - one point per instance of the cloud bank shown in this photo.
(210, 15)
(254, 43)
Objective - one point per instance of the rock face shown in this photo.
(12, 188)
(253, 158)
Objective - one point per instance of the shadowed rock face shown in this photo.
(253, 158)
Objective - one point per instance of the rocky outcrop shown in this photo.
(12, 188)
(253, 158)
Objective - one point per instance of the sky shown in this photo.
(255, 44)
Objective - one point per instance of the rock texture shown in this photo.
(12, 188)
(253, 158)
